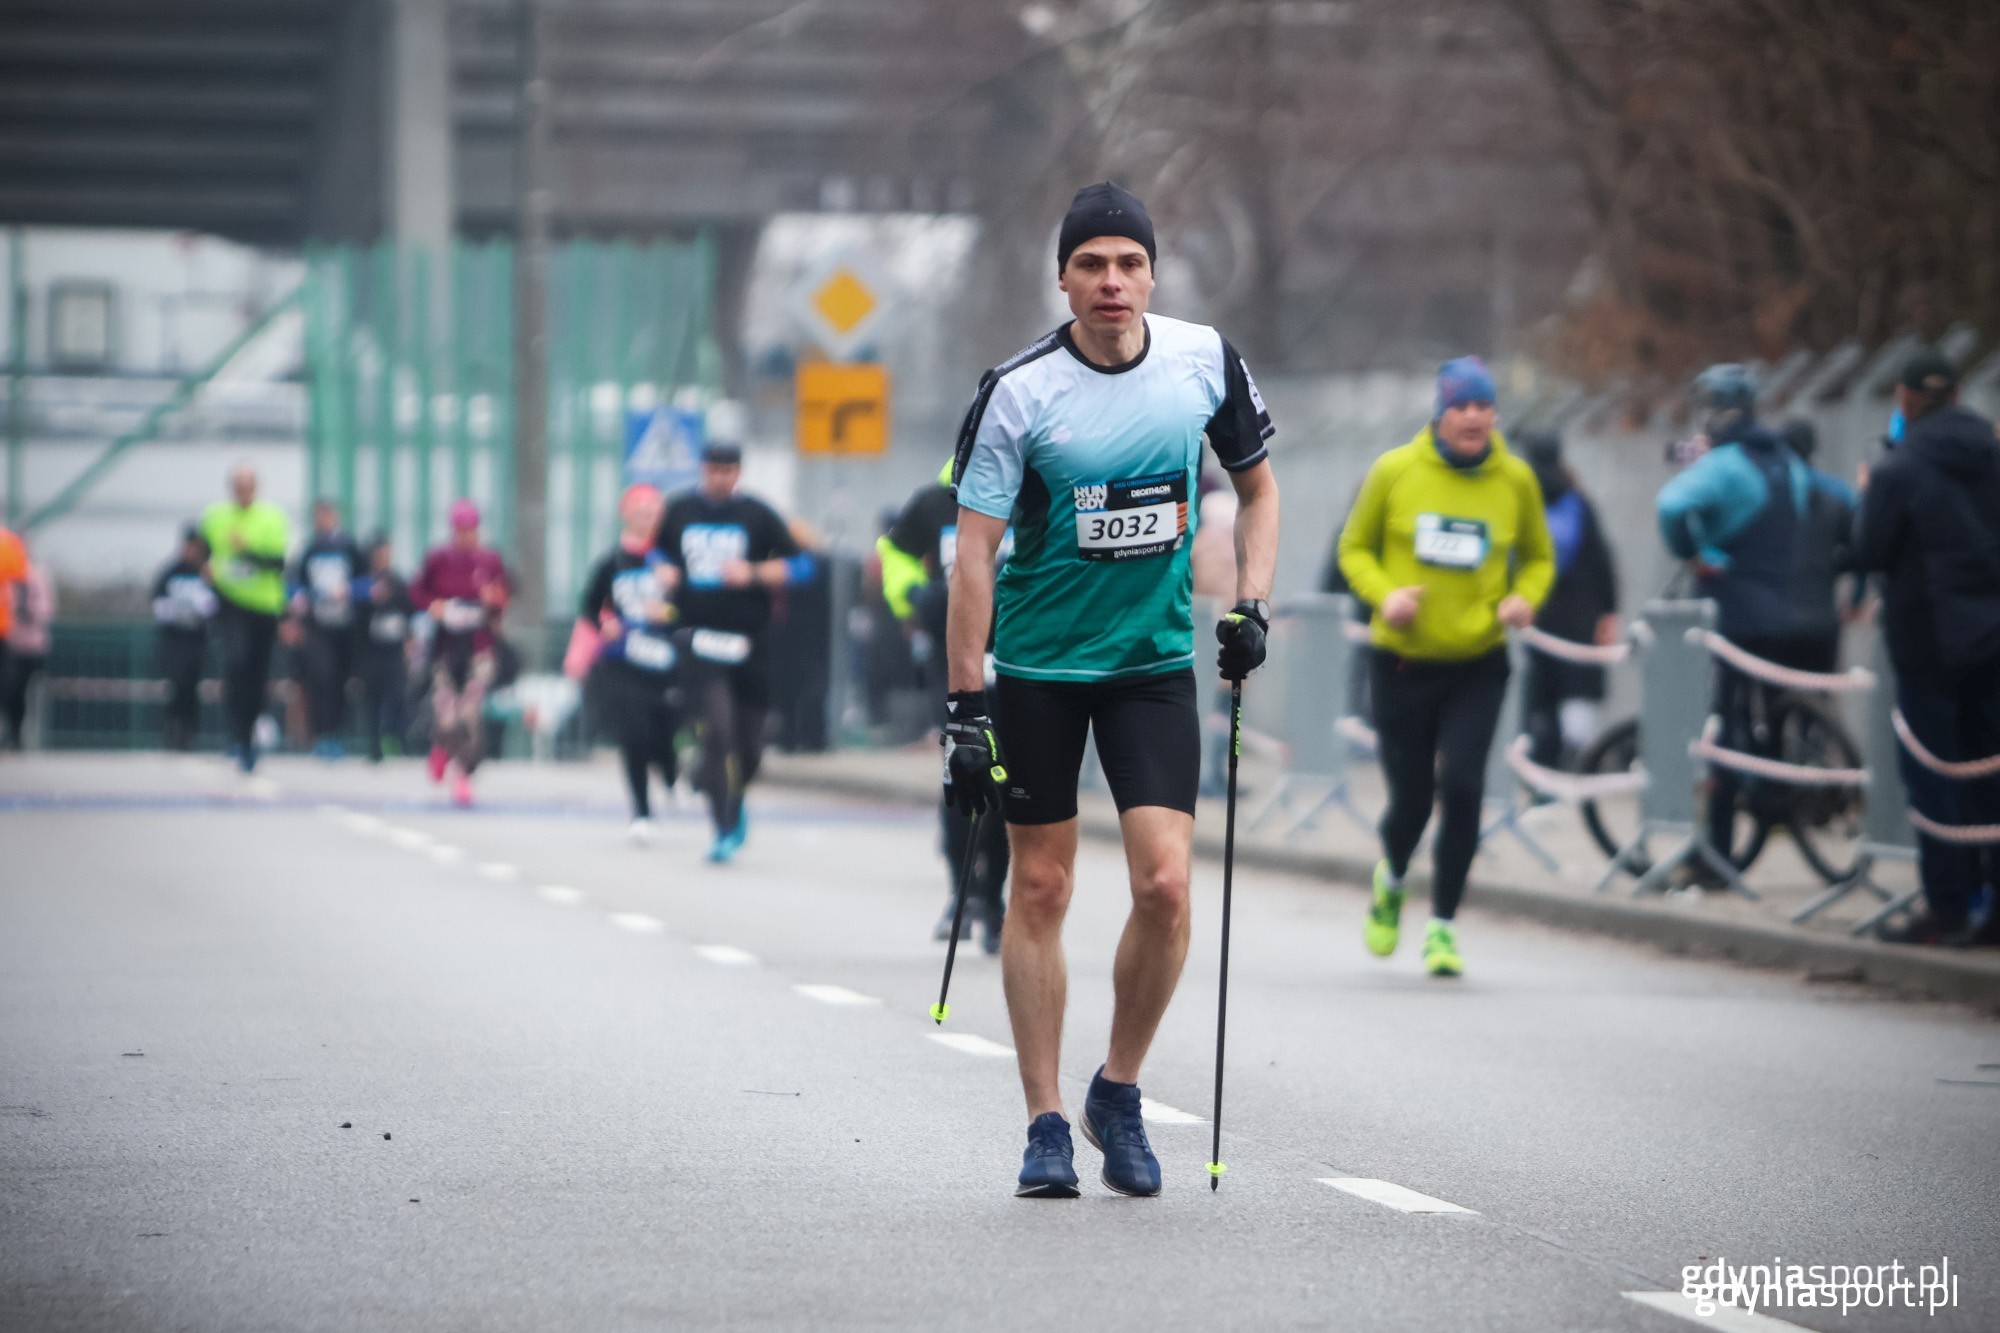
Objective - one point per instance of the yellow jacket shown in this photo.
(1469, 536)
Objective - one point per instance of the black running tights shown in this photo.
(732, 744)
(1436, 721)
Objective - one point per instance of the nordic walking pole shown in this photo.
(941, 1011)
(1215, 1166)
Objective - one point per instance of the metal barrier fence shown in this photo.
(410, 364)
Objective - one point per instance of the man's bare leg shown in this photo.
(1159, 846)
(1031, 954)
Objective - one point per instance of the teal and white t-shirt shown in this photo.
(1096, 468)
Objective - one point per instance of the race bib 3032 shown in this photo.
(1453, 543)
(1131, 519)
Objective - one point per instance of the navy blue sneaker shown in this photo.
(1047, 1170)
(1112, 1123)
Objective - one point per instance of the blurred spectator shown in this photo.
(1930, 522)
(183, 604)
(891, 677)
(382, 652)
(1558, 701)
(323, 591)
(802, 650)
(13, 569)
(1761, 531)
(1333, 579)
(246, 540)
(27, 645)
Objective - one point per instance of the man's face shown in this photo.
(718, 480)
(1109, 282)
(466, 539)
(243, 485)
(326, 519)
(1466, 428)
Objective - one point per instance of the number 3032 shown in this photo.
(1117, 527)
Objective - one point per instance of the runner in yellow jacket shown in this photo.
(1448, 542)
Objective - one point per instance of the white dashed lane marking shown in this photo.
(447, 855)
(560, 894)
(971, 1045)
(839, 995)
(499, 870)
(1391, 1195)
(637, 922)
(726, 955)
(1726, 1318)
(410, 838)
(359, 823)
(1162, 1114)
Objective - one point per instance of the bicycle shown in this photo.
(1824, 822)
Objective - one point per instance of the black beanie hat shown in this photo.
(1104, 209)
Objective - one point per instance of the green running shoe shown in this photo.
(1384, 914)
(1441, 951)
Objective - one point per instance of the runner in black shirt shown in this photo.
(323, 595)
(720, 555)
(917, 554)
(633, 679)
(382, 651)
(183, 604)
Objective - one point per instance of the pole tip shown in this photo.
(940, 1011)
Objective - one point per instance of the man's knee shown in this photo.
(1041, 891)
(1160, 893)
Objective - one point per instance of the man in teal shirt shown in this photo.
(1089, 443)
(246, 541)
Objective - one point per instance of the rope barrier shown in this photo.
(1969, 769)
(1586, 654)
(1802, 775)
(1966, 835)
(1825, 682)
(1572, 788)
(1354, 729)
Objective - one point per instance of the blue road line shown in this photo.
(140, 802)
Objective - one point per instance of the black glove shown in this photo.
(972, 768)
(1241, 634)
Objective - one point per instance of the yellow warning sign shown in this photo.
(843, 300)
(842, 409)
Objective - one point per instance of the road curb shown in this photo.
(1936, 974)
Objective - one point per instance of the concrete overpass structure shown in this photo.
(276, 121)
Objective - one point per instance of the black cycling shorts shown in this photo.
(1148, 739)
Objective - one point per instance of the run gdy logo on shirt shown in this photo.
(1094, 465)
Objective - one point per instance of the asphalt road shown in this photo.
(586, 1091)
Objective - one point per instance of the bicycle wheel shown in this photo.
(1613, 822)
(1827, 823)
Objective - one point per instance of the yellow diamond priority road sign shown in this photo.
(842, 409)
(843, 300)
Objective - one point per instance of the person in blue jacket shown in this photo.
(1766, 536)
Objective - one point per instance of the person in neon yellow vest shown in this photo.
(246, 541)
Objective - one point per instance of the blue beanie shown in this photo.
(1465, 380)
